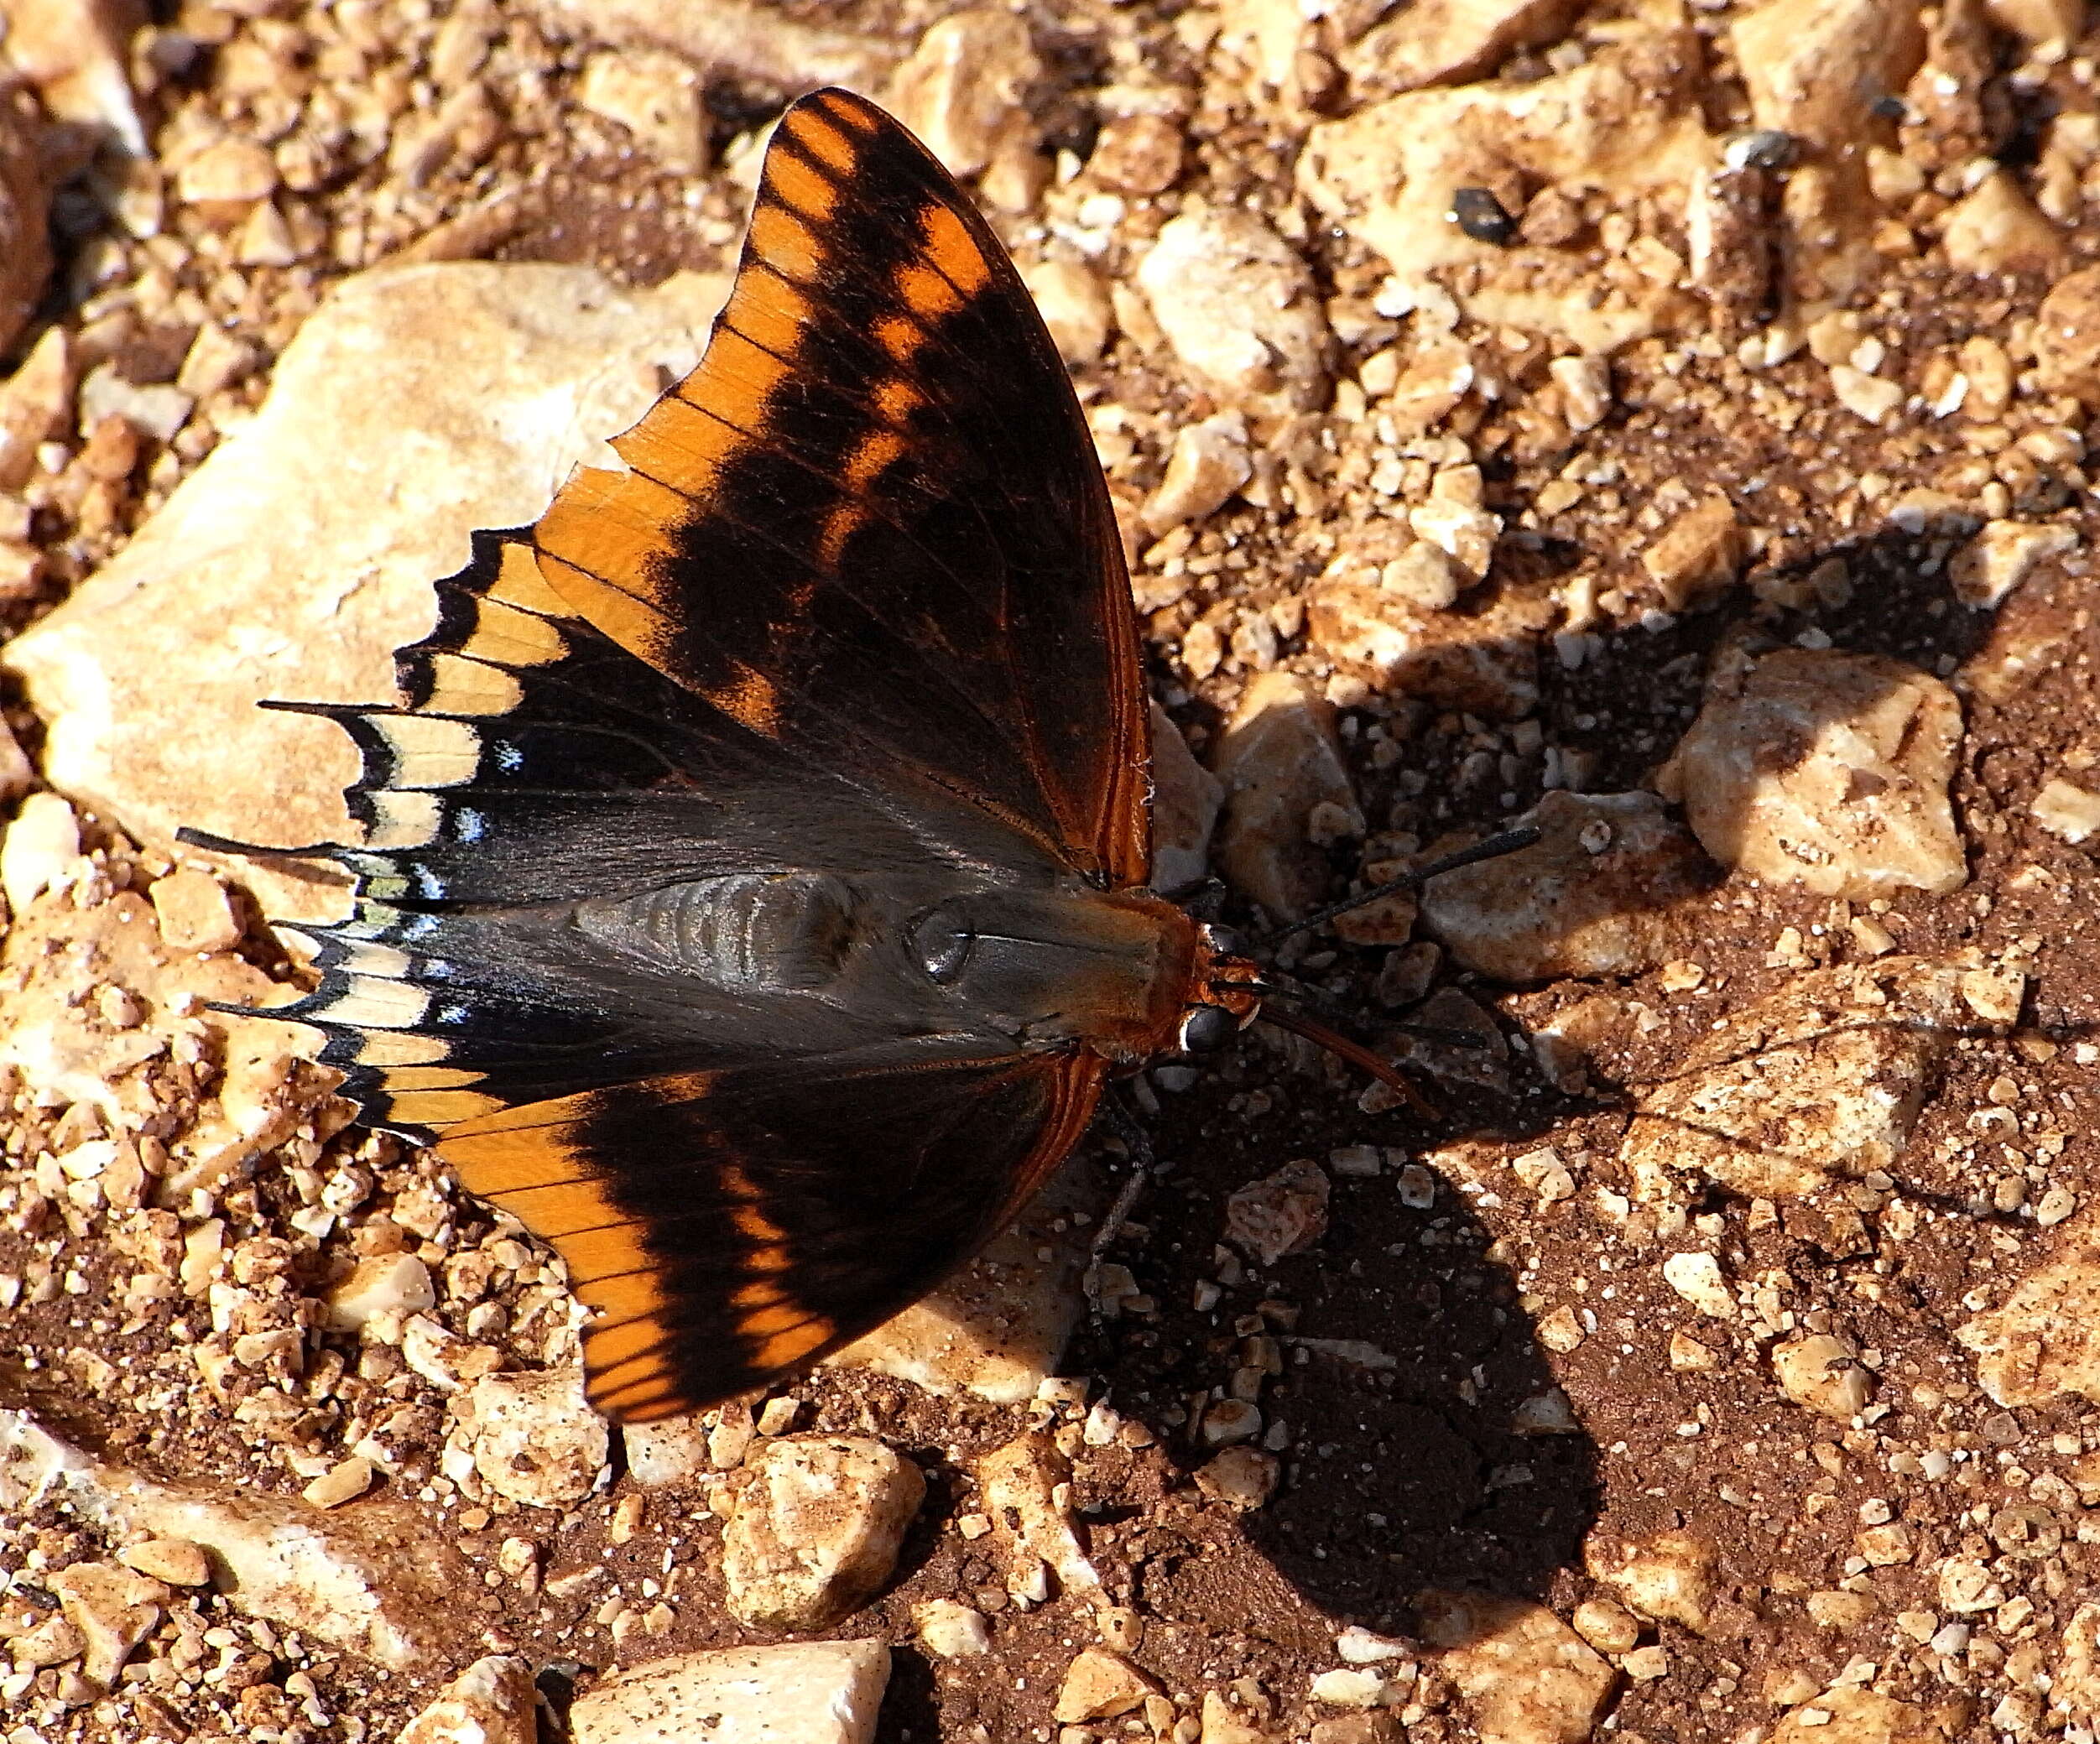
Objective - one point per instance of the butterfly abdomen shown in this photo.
(781, 930)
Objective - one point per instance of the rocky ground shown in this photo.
(1665, 423)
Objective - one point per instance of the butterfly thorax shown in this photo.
(1048, 963)
(1064, 963)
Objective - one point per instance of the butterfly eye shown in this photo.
(1206, 1028)
(1226, 941)
(943, 951)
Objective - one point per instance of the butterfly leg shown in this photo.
(1143, 1162)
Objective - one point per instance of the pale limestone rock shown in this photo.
(1698, 556)
(36, 404)
(344, 1481)
(1806, 64)
(997, 1327)
(228, 176)
(1280, 1214)
(1995, 228)
(1450, 42)
(1266, 35)
(173, 1562)
(1099, 1685)
(2003, 555)
(1528, 1678)
(818, 1521)
(1699, 1279)
(1610, 1628)
(2074, 1692)
(1026, 1487)
(492, 1702)
(1669, 1581)
(2066, 337)
(1391, 625)
(40, 849)
(381, 1582)
(1688, 1356)
(669, 1453)
(1074, 305)
(1357, 1646)
(1239, 308)
(1349, 1688)
(442, 1357)
(76, 55)
(391, 1283)
(157, 409)
(949, 1630)
(962, 91)
(1425, 576)
(740, 37)
(113, 1608)
(1279, 760)
(1591, 898)
(1242, 1477)
(534, 1438)
(193, 911)
(1822, 1080)
(657, 97)
(1966, 1587)
(1849, 1714)
(262, 1095)
(1464, 532)
(2067, 811)
(1585, 390)
(2045, 1340)
(1821, 1372)
(1827, 770)
(1627, 119)
(1208, 463)
(1221, 1724)
(1138, 154)
(215, 360)
(1185, 800)
(811, 1692)
(1839, 1610)
(25, 200)
(419, 403)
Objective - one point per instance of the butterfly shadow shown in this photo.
(1424, 1445)
(1420, 1441)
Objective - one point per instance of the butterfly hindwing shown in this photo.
(871, 522)
(759, 1239)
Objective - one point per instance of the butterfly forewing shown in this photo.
(871, 522)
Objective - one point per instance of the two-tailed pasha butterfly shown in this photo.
(752, 897)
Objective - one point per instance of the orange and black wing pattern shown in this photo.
(785, 1213)
(855, 620)
(871, 522)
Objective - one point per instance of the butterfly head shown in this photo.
(1227, 983)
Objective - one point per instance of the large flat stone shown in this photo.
(417, 404)
(377, 1580)
(812, 1692)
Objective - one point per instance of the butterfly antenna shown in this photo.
(1509, 842)
(1318, 1033)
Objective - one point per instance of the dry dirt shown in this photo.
(1433, 1307)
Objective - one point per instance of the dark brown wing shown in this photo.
(870, 524)
(732, 1228)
